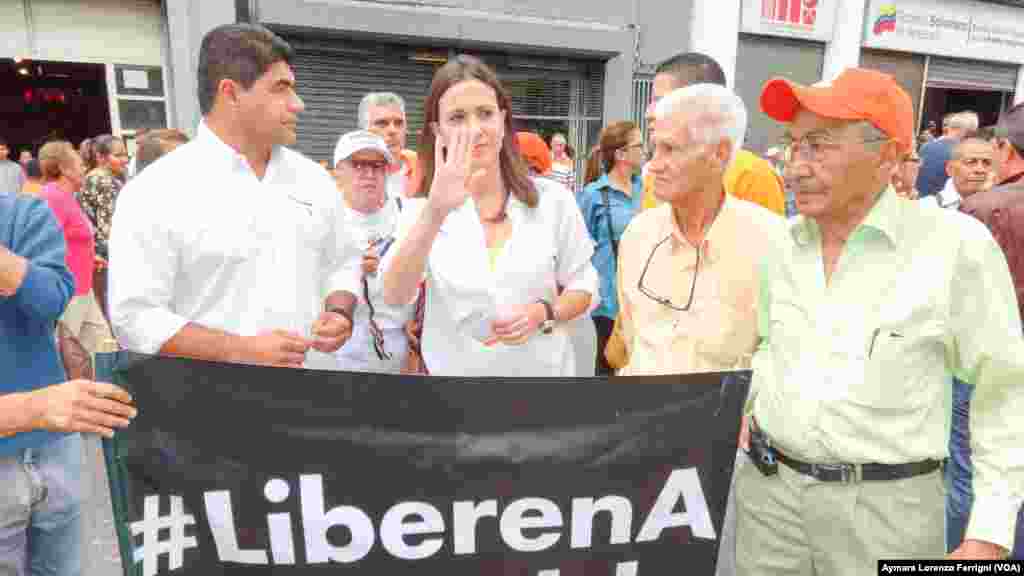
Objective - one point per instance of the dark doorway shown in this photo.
(42, 101)
(941, 101)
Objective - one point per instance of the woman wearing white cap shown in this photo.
(369, 214)
(494, 245)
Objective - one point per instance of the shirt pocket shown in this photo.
(897, 368)
(729, 333)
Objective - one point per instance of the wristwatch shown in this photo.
(548, 325)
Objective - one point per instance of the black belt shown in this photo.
(847, 473)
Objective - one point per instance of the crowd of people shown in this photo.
(886, 307)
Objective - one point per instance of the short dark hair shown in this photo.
(4, 143)
(692, 68)
(239, 52)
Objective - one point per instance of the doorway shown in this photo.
(988, 104)
(42, 101)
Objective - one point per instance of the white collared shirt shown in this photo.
(364, 229)
(549, 247)
(948, 197)
(198, 237)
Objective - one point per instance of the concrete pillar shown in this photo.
(618, 88)
(847, 32)
(715, 31)
(187, 22)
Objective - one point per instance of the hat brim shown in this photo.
(782, 99)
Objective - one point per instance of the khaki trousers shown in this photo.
(793, 525)
(86, 322)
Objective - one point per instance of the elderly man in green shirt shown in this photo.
(869, 307)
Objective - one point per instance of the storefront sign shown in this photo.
(975, 30)
(809, 19)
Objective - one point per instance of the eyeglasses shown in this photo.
(815, 146)
(371, 166)
(661, 299)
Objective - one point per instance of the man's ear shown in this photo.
(949, 168)
(723, 151)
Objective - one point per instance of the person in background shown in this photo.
(40, 449)
(851, 384)
(133, 166)
(12, 177)
(582, 333)
(905, 175)
(971, 169)
(609, 202)
(33, 178)
(749, 177)
(88, 155)
(262, 273)
(378, 343)
(64, 174)
(563, 166)
(24, 157)
(155, 144)
(1001, 209)
(383, 113)
(536, 153)
(97, 198)
(936, 154)
(505, 257)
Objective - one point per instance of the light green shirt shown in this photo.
(859, 369)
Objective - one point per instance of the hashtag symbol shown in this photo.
(152, 524)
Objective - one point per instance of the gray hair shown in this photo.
(717, 112)
(377, 99)
(966, 121)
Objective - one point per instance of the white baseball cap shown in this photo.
(353, 142)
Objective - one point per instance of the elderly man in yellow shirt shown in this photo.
(747, 176)
(866, 314)
(688, 268)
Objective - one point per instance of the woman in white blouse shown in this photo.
(493, 245)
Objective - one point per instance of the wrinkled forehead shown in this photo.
(806, 122)
(377, 112)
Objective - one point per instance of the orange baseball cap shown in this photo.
(856, 94)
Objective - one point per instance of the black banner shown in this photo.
(233, 469)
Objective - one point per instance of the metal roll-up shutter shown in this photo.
(333, 75)
(760, 58)
(971, 75)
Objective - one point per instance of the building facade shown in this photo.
(572, 66)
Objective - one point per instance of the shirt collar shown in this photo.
(713, 241)
(884, 218)
(219, 151)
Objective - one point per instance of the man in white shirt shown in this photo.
(970, 170)
(378, 343)
(383, 113)
(225, 248)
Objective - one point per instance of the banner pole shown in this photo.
(106, 362)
